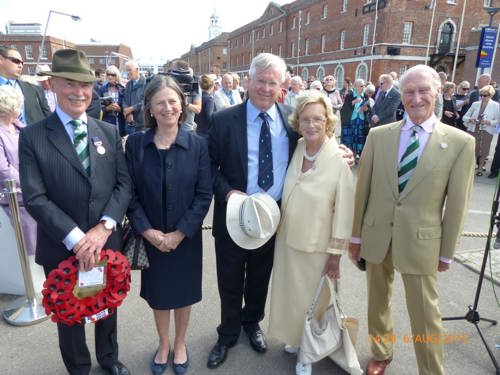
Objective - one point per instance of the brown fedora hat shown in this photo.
(71, 64)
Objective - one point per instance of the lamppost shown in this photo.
(72, 16)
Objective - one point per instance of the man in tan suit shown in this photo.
(413, 189)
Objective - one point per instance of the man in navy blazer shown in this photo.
(388, 100)
(76, 197)
(234, 149)
(35, 106)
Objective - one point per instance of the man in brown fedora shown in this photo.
(76, 186)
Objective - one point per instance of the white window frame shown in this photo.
(361, 66)
(304, 74)
(306, 47)
(339, 76)
(308, 17)
(28, 51)
(293, 22)
(281, 26)
(320, 73)
(407, 32)
(271, 30)
(280, 50)
(345, 4)
(324, 14)
(342, 39)
(366, 34)
(323, 43)
(292, 52)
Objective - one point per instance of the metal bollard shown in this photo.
(28, 309)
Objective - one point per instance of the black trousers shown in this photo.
(74, 350)
(495, 164)
(241, 274)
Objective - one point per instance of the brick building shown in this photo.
(103, 55)
(352, 38)
(211, 56)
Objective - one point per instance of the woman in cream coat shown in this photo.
(316, 211)
(481, 120)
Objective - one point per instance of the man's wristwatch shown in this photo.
(108, 225)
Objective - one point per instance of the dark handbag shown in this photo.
(134, 249)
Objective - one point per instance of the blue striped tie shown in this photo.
(80, 142)
(266, 177)
(409, 159)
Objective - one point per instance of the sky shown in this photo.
(153, 31)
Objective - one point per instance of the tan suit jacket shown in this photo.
(424, 222)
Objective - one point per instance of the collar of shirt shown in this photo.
(388, 90)
(65, 118)
(181, 140)
(5, 81)
(427, 125)
(253, 112)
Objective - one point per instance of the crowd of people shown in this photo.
(268, 146)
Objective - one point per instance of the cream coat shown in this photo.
(424, 222)
(317, 209)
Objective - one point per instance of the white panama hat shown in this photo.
(252, 220)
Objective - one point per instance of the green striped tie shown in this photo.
(80, 142)
(409, 159)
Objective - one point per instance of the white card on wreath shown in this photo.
(94, 277)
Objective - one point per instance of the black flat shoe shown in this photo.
(118, 369)
(181, 368)
(217, 355)
(258, 340)
(158, 368)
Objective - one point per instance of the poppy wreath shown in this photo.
(60, 301)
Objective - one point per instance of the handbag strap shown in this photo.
(333, 293)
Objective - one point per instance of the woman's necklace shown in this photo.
(315, 156)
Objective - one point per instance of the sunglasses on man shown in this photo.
(15, 60)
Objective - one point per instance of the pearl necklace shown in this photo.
(315, 156)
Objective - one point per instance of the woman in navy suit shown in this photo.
(173, 191)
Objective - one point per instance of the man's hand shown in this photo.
(449, 114)
(332, 266)
(88, 249)
(354, 252)
(348, 154)
(443, 266)
(234, 191)
(375, 119)
(128, 111)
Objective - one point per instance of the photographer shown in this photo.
(111, 96)
(183, 74)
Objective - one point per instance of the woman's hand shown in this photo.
(449, 114)
(154, 237)
(332, 267)
(171, 240)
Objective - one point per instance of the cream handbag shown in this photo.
(322, 337)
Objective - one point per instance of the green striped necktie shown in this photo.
(81, 143)
(409, 159)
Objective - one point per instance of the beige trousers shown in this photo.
(423, 308)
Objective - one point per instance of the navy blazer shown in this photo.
(185, 177)
(57, 191)
(228, 148)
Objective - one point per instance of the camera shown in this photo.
(187, 82)
(106, 100)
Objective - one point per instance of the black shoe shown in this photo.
(493, 174)
(217, 355)
(257, 340)
(158, 368)
(118, 369)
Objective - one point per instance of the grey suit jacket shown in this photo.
(36, 107)
(386, 105)
(58, 193)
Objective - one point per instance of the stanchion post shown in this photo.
(26, 310)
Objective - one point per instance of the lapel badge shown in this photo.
(443, 145)
(96, 141)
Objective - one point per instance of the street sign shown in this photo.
(486, 47)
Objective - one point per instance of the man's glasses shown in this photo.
(15, 60)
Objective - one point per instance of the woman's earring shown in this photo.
(151, 114)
